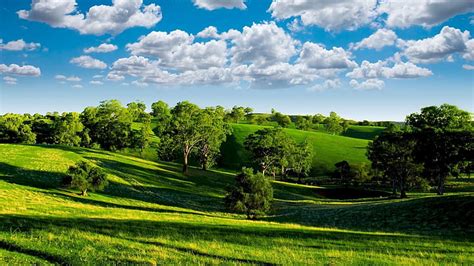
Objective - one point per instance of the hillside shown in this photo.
(327, 149)
(152, 214)
(363, 132)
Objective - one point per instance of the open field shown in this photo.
(152, 214)
(327, 149)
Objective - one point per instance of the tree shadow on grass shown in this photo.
(55, 259)
(148, 232)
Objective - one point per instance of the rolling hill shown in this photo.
(152, 214)
(327, 149)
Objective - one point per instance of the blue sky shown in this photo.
(299, 59)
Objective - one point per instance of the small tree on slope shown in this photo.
(84, 176)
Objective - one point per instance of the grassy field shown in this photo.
(363, 132)
(152, 214)
(327, 149)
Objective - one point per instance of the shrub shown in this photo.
(252, 194)
(85, 176)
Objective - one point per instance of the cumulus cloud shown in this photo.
(468, 67)
(378, 40)
(326, 85)
(369, 84)
(103, 48)
(469, 53)
(262, 45)
(209, 32)
(381, 69)
(216, 4)
(10, 80)
(426, 13)
(96, 82)
(25, 70)
(316, 56)
(99, 20)
(19, 45)
(437, 48)
(86, 61)
(70, 78)
(77, 86)
(330, 15)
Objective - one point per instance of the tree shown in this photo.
(137, 111)
(317, 119)
(109, 124)
(14, 129)
(393, 153)
(267, 147)
(252, 194)
(236, 114)
(303, 123)
(300, 160)
(85, 176)
(443, 133)
(248, 112)
(281, 119)
(67, 129)
(342, 172)
(215, 133)
(333, 124)
(140, 138)
(162, 113)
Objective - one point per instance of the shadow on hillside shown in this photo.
(32, 178)
(147, 232)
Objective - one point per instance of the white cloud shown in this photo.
(216, 4)
(315, 56)
(25, 70)
(330, 15)
(468, 67)
(426, 13)
(114, 77)
(96, 82)
(103, 48)
(209, 32)
(262, 44)
(97, 76)
(77, 86)
(99, 20)
(176, 50)
(10, 80)
(437, 48)
(378, 40)
(19, 45)
(70, 78)
(86, 61)
(469, 53)
(369, 84)
(380, 69)
(326, 85)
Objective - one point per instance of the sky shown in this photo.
(364, 59)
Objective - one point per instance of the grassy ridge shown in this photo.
(152, 214)
(327, 149)
(363, 132)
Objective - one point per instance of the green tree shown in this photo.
(393, 153)
(67, 129)
(342, 172)
(236, 114)
(252, 194)
(141, 138)
(162, 113)
(137, 111)
(85, 176)
(333, 124)
(281, 119)
(300, 159)
(14, 129)
(441, 142)
(303, 123)
(215, 133)
(267, 148)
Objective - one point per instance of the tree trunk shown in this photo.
(403, 193)
(84, 192)
(185, 162)
(394, 187)
(440, 185)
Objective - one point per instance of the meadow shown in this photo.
(152, 214)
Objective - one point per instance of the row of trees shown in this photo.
(435, 144)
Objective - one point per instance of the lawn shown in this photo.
(152, 214)
(327, 149)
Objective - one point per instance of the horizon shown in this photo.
(372, 63)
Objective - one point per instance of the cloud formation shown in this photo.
(378, 40)
(103, 48)
(99, 20)
(19, 45)
(216, 4)
(25, 70)
(86, 61)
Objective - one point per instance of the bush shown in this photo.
(252, 194)
(85, 176)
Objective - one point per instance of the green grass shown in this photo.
(152, 214)
(363, 132)
(327, 149)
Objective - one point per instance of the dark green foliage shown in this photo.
(252, 194)
(85, 176)
(162, 113)
(281, 119)
(333, 124)
(237, 114)
(14, 129)
(137, 111)
(303, 123)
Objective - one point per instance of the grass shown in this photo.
(327, 149)
(363, 132)
(152, 214)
